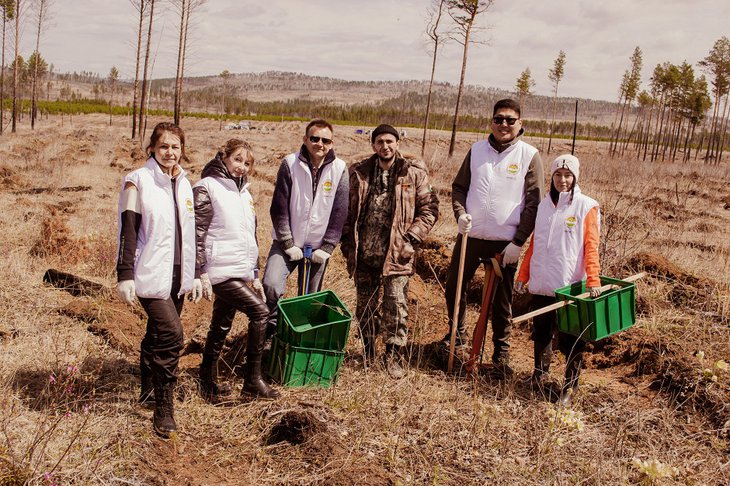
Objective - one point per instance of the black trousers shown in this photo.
(161, 345)
(502, 306)
(231, 296)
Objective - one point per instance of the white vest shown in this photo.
(230, 247)
(309, 216)
(496, 194)
(155, 255)
(558, 241)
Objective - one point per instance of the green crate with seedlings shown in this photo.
(593, 319)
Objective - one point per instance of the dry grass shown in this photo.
(68, 390)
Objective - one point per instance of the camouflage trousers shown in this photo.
(388, 313)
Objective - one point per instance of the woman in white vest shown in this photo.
(156, 262)
(227, 262)
(563, 250)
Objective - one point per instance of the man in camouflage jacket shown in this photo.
(392, 209)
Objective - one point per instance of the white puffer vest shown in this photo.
(155, 255)
(230, 247)
(497, 190)
(309, 215)
(558, 241)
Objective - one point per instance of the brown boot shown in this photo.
(163, 420)
(212, 390)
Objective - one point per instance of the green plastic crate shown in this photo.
(316, 321)
(594, 319)
(298, 366)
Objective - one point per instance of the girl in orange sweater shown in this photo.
(563, 250)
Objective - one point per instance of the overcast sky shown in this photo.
(384, 39)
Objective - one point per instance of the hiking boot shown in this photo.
(462, 340)
(212, 390)
(147, 392)
(502, 370)
(254, 385)
(394, 361)
(163, 420)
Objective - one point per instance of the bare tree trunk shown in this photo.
(15, 66)
(711, 136)
(2, 77)
(723, 130)
(42, 4)
(184, 54)
(428, 100)
(178, 73)
(143, 97)
(464, 58)
(136, 69)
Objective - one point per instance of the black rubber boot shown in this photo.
(212, 390)
(147, 391)
(394, 361)
(543, 355)
(572, 375)
(163, 420)
(254, 385)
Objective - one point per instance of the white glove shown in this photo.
(511, 254)
(294, 253)
(197, 293)
(320, 256)
(464, 223)
(126, 291)
(594, 291)
(520, 287)
(259, 288)
(207, 288)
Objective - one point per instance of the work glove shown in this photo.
(320, 256)
(259, 289)
(594, 291)
(294, 253)
(126, 291)
(520, 287)
(207, 288)
(197, 293)
(511, 254)
(464, 223)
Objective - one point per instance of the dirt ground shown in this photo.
(654, 401)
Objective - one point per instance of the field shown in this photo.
(654, 401)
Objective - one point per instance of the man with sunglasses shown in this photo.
(495, 196)
(308, 210)
(392, 209)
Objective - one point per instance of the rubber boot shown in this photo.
(147, 391)
(394, 361)
(543, 353)
(163, 420)
(210, 388)
(570, 386)
(254, 385)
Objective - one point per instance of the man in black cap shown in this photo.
(392, 209)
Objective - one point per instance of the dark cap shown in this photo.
(384, 128)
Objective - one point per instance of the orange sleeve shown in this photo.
(590, 248)
(524, 274)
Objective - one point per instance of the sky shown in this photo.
(385, 39)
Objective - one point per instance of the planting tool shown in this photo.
(306, 270)
(492, 276)
(457, 302)
(563, 303)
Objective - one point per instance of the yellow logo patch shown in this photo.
(189, 205)
(513, 169)
(570, 221)
(327, 186)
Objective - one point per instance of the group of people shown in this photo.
(176, 238)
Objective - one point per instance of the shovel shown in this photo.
(492, 276)
(306, 270)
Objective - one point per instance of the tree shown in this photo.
(630, 85)
(42, 12)
(555, 75)
(717, 65)
(8, 11)
(18, 10)
(432, 31)
(143, 96)
(524, 85)
(140, 6)
(225, 76)
(464, 13)
(111, 81)
(187, 7)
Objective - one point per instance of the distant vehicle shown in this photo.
(244, 125)
(230, 126)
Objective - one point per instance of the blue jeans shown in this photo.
(277, 271)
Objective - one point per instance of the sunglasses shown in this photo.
(498, 120)
(325, 141)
